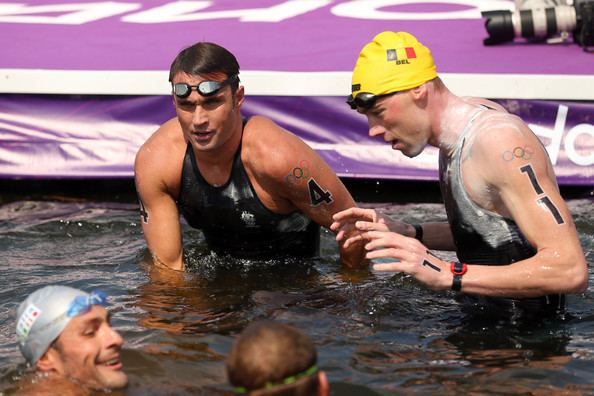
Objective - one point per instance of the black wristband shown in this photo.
(418, 232)
(458, 269)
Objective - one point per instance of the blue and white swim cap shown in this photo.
(42, 317)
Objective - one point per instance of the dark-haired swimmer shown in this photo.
(507, 222)
(253, 188)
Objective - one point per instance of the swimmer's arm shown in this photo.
(158, 214)
(530, 196)
(297, 174)
(320, 197)
(529, 193)
(436, 236)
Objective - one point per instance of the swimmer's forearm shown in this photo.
(437, 236)
(542, 274)
(176, 265)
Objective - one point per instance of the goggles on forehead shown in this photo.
(364, 100)
(78, 306)
(205, 88)
(83, 304)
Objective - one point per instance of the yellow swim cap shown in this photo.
(392, 62)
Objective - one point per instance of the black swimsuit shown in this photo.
(234, 220)
(482, 236)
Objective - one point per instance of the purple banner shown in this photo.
(279, 35)
(53, 136)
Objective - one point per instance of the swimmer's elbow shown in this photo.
(581, 281)
(577, 279)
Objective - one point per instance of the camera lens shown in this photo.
(499, 25)
(532, 23)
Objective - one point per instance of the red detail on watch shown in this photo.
(458, 268)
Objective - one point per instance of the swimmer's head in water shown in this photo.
(392, 62)
(42, 317)
(271, 355)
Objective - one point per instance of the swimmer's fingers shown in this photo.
(362, 232)
(343, 231)
(384, 224)
(379, 239)
(410, 250)
(388, 267)
(354, 214)
(356, 232)
(384, 245)
(388, 254)
(340, 229)
(406, 255)
(344, 221)
(353, 238)
(369, 226)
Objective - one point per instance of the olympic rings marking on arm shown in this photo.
(291, 179)
(299, 173)
(524, 153)
(507, 156)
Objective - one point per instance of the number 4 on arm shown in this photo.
(317, 195)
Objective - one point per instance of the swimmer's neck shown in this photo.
(450, 116)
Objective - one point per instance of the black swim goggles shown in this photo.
(364, 100)
(205, 88)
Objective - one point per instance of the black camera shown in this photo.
(543, 23)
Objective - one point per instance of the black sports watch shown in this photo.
(458, 269)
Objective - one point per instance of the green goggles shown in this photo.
(287, 381)
(205, 88)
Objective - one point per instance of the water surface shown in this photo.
(376, 334)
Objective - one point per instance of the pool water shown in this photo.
(376, 333)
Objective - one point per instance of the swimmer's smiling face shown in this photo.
(88, 352)
(396, 119)
(208, 122)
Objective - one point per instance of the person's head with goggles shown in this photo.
(364, 101)
(393, 62)
(66, 332)
(204, 88)
(204, 59)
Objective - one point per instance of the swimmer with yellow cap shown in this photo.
(392, 62)
(508, 225)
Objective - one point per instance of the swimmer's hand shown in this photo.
(349, 223)
(399, 253)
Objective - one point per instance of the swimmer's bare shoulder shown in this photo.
(484, 102)
(264, 139)
(159, 160)
(31, 386)
(267, 151)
